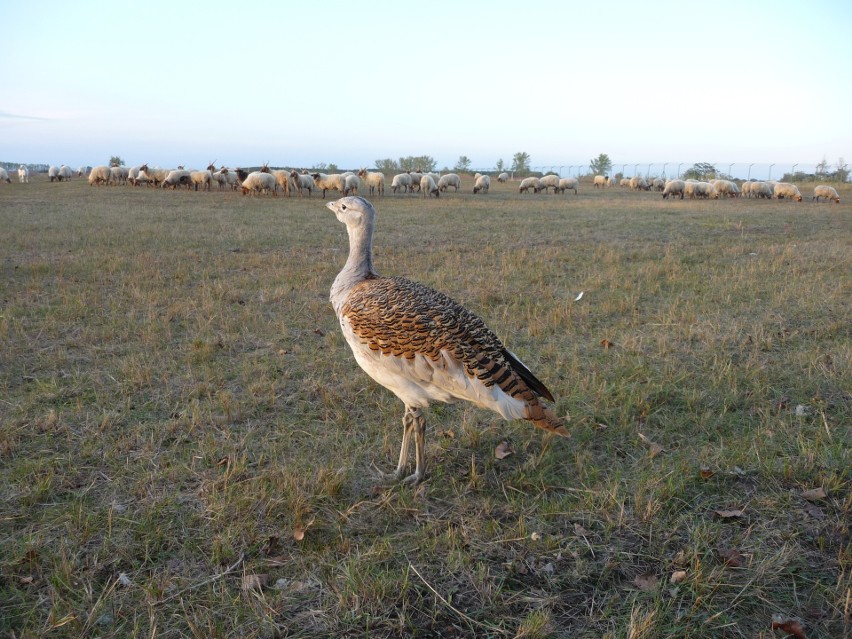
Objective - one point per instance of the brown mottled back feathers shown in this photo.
(403, 318)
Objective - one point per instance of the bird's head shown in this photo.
(354, 211)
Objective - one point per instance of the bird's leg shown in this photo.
(407, 428)
(419, 428)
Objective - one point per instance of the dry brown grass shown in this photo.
(177, 402)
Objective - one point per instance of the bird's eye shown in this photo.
(343, 207)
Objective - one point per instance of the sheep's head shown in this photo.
(293, 174)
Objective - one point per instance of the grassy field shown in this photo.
(188, 449)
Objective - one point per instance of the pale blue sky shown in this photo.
(350, 82)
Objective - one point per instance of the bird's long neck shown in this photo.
(359, 264)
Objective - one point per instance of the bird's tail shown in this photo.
(542, 417)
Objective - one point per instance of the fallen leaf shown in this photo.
(579, 297)
(319, 332)
(448, 434)
(815, 511)
(299, 530)
(815, 494)
(731, 556)
(535, 536)
(503, 450)
(678, 576)
(790, 626)
(654, 448)
(223, 461)
(26, 581)
(729, 514)
(706, 472)
(606, 344)
(647, 582)
(580, 531)
(254, 582)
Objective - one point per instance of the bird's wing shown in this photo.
(403, 318)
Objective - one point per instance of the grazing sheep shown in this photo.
(745, 189)
(483, 183)
(624, 183)
(351, 184)
(155, 176)
(450, 179)
(401, 181)
(258, 181)
(822, 190)
(695, 189)
(503, 178)
(610, 182)
(282, 179)
(786, 190)
(23, 174)
(601, 181)
(81, 171)
(529, 183)
(333, 182)
(726, 188)
(658, 184)
(302, 181)
(4, 176)
(762, 190)
(375, 181)
(53, 173)
(638, 183)
(428, 187)
(99, 175)
(549, 181)
(674, 187)
(220, 177)
(65, 172)
(133, 174)
(118, 174)
(203, 178)
(177, 177)
(568, 184)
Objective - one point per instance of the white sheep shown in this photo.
(333, 182)
(483, 183)
(23, 174)
(53, 173)
(220, 177)
(282, 179)
(401, 181)
(415, 180)
(81, 171)
(624, 183)
(428, 187)
(673, 188)
(99, 175)
(821, 190)
(258, 181)
(156, 175)
(700, 189)
(503, 178)
(375, 181)
(177, 177)
(302, 181)
(600, 181)
(118, 174)
(450, 180)
(786, 190)
(549, 181)
(4, 176)
(638, 183)
(529, 183)
(658, 184)
(351, 184)
(727, 188)
(762, 190)
(203, 178)
(566, 184)
(745, 189)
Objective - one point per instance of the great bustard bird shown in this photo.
(423, 346)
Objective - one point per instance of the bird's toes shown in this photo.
(413, 479)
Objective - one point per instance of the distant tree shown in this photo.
(387, 166)
(463, 163)
(700, 171)
(321, 166)
(601, 165)
(417, 163)
(842, 172)
(116, 161)
(500, 165)
(822, 167)
(521, 162)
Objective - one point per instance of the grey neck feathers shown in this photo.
(358, 267)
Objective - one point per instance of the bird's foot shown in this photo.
(413, 479)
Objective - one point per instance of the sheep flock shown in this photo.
(301, 182)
